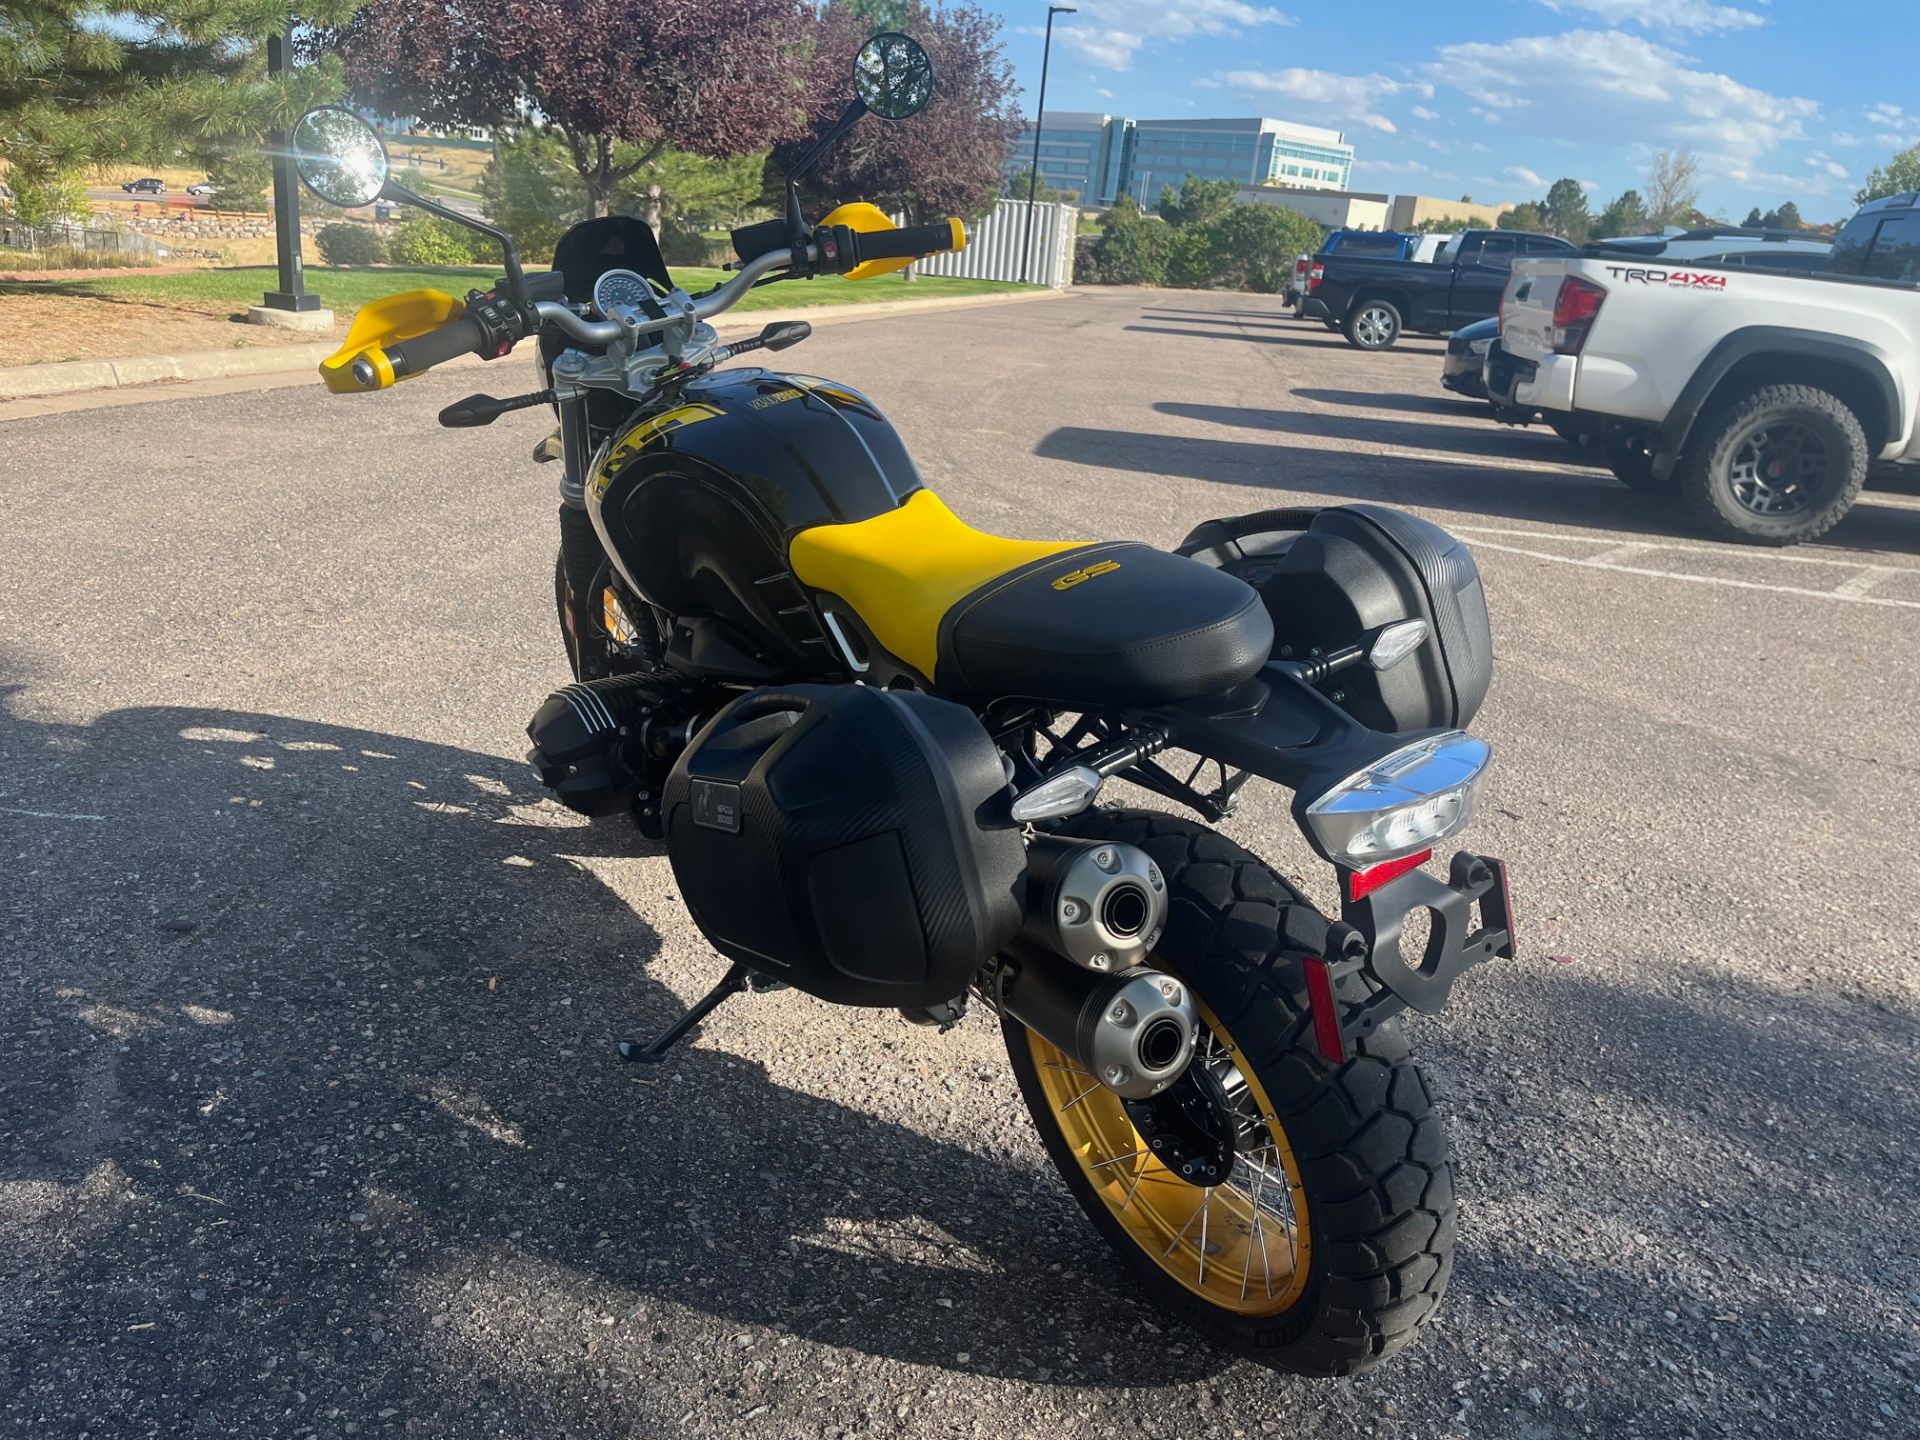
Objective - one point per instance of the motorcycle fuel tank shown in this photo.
(695, 501)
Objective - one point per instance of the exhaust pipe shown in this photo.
(1133, 1031)
(1102, 905)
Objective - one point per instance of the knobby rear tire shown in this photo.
(1370, 1149)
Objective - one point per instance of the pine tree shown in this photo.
(81, 87)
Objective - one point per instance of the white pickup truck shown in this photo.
(1758, 398)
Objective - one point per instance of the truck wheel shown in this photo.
(1776, 466)
(1373, 325)
(1632, 465)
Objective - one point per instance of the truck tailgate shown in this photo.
(1526, 313)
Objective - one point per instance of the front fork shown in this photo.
(580, 557)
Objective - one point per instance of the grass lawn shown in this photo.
(346, 290)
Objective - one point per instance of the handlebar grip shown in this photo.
(910, 242)
(452, 340)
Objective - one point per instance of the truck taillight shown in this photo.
(1573, 311)
(1315, 276)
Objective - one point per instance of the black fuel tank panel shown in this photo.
(696, 500)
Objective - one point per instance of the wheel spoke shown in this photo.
(1081, 1096)
(1101, 1165)
(1206, 1204)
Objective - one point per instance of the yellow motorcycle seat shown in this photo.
(1114, 623)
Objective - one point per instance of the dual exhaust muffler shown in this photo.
(1095, 910)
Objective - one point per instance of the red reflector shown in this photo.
(1361, 883)
(1326, 1014)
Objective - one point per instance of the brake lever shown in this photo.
(484, 409)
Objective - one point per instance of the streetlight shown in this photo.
(1039, 121)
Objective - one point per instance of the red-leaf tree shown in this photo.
(944, 161)
(714, 77)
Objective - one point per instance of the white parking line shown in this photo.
(1596, 564)
(1869, 576)
(1771, 557)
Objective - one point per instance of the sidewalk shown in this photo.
(29, 390)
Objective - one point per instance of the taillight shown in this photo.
(1573, 311)
(1315, 275)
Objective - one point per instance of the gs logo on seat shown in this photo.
(1075, 577)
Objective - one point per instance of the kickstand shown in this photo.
(732, 983)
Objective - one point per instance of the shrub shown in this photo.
(342, 243)
(425, 240)
(1132, 249)
(681, 246)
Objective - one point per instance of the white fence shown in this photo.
(993, 246)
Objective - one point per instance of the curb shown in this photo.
(73, 377)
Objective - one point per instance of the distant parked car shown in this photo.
(1462, 370)
(204, 190)
(151, 185)
(1378, 244)
(1374, 301)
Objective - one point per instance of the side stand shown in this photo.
(736, 979)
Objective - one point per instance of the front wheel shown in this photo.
(1331, 1242)
(1373, 325)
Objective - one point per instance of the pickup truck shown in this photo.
(1757, 398)
(1373, 301)
(1380, 244)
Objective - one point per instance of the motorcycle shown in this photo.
(872, 739)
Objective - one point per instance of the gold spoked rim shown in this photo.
(1243, 1245)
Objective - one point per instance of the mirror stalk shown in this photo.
(516, 281)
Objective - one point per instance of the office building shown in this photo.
(1253, 151)
(1081, 151)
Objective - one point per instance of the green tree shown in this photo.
(345, 243)
(241, 176)
(1017, 187)
(1896, 177)
(692, 191)
(1197, 202)
(531, 190)
(89, 82)
(1527, 215)
(1755, 220)
(1566, 211)
(41, 199)
(1626, 214)
(1787, 217)
(1134, 248)
(1251, 247)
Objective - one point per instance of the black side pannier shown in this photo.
(1337, 577)
(853, 842)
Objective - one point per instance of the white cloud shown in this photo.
(1628, 89)
(1352, 98)
(1108, 33)
(1897, 129)
(1827, 165)
(1525, 176)
(1421, 112)
(1590, 186)
(1392, 167)
(1679, 17)
(1104, 93)
(1844, 139)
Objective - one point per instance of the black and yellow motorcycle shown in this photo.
(872, 738)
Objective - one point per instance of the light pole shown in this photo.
(293, 294)
(1039, 122)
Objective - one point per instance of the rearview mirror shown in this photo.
(339, 157)
(893, 76)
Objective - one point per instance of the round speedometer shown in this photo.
(620, 287)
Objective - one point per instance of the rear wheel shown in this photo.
(1331, 1242)
(1373, 324)
(1776, 466)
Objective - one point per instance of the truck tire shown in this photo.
(1373, 324)
(1776, 465)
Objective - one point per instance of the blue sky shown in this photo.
(1791, 100)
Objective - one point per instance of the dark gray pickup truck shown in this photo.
(1373, 301)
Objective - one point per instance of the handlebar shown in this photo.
(492, 328)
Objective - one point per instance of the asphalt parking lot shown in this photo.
(310, 1122)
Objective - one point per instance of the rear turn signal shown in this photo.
(1573, 311)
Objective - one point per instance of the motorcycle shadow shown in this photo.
(332, 1013)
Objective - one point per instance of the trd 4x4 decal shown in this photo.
(1672, 279)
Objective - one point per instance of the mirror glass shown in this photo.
(893, 76)
(339, 157)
